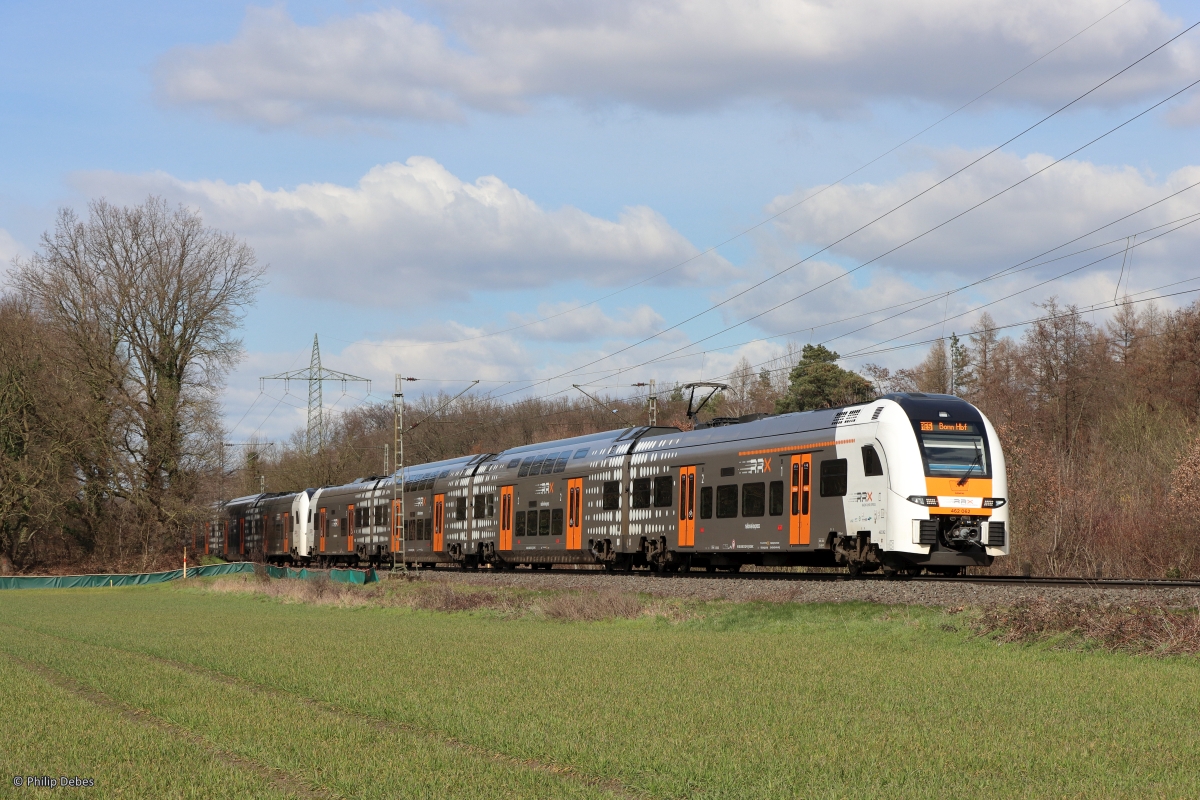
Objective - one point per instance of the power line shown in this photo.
(938, 296)
(1043, 283)
(780, 213)
(1008, 271)
(899, 246)
(905, 203)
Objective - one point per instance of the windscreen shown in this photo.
(954, 450)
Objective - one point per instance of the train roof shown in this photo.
(254, 499)
(915, 404)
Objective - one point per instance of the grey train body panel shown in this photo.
(902, 483)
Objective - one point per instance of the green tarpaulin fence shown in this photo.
(78, 581)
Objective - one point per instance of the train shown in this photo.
(907, 483)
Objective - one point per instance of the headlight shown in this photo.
(993, 502)
(922, 500)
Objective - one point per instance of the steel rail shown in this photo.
(1001, 580)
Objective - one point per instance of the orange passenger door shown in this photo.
(575, 514)
(324, 521)
(687, 506)
(506, 517)
(350, 529)
(397, 520)
(439, 518)
(801, 485)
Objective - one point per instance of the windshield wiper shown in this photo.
(977, 461)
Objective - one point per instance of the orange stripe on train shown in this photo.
(793, 448)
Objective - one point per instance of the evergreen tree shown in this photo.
(818, 382)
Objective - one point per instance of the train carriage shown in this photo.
(905, 483)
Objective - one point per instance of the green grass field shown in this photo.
(172, 691)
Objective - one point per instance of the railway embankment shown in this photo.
(752, 587)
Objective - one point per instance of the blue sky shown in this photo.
(422, 177)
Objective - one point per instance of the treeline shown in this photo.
(1098, 421)
(114, 342)
(1099, 425)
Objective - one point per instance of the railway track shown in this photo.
(994, 580)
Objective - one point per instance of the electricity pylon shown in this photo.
(316, 375)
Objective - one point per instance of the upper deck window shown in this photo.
(954, 450)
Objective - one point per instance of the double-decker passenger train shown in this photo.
(905, 483)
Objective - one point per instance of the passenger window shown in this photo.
(581, 453)
(544, 522)
(460, 508)
(514, 463)
(776, 505)
(563, 457)
(612, 495)
(871, 464)
(754, 499)
(519, 524)
(727, 472)
(491, 505)
(525, 465)
(705, 502)
(556, 522)
(479, 505)
(536, 467)
(641, 493)
(727, 497)
(664, 491)
(833, 478)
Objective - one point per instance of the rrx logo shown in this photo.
(863, 497)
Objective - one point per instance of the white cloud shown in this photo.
(1066, 201)
(668, 55)
(883, 303)
(568, 322)
(416, 231)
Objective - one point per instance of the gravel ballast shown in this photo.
(888, 592)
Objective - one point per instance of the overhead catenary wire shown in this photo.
(1026, 264)
(576, 370)
(846, 273)
(1188, 220)
(908, 306)
(1007, 326)
(1043, 283)
(772, 217)
(904, 203)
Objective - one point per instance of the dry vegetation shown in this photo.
(114, 342)
(1148, 629)
(432, 594)
(110, 442)
(1098, 422)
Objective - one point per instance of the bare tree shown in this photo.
(149, 301)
